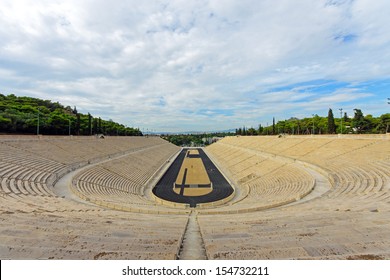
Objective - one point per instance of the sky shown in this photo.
(177, 66)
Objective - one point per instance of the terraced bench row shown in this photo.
(69, 151)
(85, 235)
(36, 223)
(348, 222)
(270, 182)
(121, 182)
(303, 231)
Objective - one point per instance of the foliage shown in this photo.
(359, 122)
(190, 140)
(21, 114)
(323, 125)
(331, 124)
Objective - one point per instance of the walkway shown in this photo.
(192, 247)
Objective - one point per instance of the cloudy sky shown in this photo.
(198, 65)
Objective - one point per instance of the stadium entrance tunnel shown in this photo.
(193, 179)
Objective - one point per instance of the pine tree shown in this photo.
(331, 124)
(89, 124)
(260, 130)
(95, 126)
(273, 126)
(78, 124)
(358, 120)
(346, 119)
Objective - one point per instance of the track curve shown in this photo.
(221, 187)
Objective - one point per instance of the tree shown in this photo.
(273, 126)
(346, 119)
(281, 125)
(384, 123)
(78, 123)
(260, 129)
(89, 124)
(331, 124)
(371, 124)
(95, 126)
(5, 123)
(251, 131)
(358, 121)
(56, 123)
(20, 115)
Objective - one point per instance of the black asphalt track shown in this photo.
(164, 188)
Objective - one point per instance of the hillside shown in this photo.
(21, 115)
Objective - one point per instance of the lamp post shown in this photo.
(341, 119)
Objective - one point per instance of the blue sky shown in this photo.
(198, 65)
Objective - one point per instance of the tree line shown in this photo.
(27, 115)
(201, 139)
(323, 125)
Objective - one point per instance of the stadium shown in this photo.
(254, 197)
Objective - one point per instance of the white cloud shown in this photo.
(162, 64)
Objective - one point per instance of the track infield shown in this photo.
(168, 188)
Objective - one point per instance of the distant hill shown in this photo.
(27, 115)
